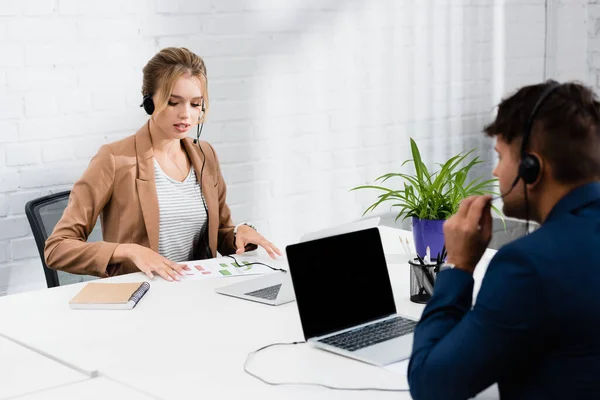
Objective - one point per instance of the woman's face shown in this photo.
(183, 109)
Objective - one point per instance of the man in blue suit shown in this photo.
(535, 325)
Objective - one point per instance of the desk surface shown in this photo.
(91, 389)
(25, 371)
(183, 340)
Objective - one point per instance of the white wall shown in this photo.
(593, 43)
(309, 97)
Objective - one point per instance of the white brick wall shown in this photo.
(13, 227)
(4, 252)
(22, 154)
(18, 200)
(4, 205)
(8, 131)
(10, 107)
(9, 8)
(593, 42)
(23, 248)
(308, 98)
(38, 7)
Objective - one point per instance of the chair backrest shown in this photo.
(43, 214)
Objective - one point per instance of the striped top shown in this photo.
(182, 215)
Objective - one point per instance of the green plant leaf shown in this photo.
(417, 160)
(434, 195)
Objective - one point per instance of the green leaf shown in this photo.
(417, 160)
(434, 195)
(500, 215)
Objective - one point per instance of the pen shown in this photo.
(428, 278)
(404, 247)
(409, 248)
(423, 282)
(427, 282)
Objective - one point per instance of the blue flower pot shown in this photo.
(428, 232)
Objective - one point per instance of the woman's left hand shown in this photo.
(246, 235)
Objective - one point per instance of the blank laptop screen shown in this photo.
(340, 281)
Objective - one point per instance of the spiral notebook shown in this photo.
(109, 296)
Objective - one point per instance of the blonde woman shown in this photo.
(160, 194)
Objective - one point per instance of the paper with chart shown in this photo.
(225, 267)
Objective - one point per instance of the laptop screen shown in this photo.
(340, 281)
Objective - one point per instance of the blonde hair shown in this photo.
(163, 70)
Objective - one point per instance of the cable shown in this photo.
(88, 373)
(256, 263)
(526, 209)
(205, 236)
(358, 389)
(503, 195)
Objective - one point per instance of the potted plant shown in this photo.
(431, 198)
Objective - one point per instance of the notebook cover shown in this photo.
(106, 293)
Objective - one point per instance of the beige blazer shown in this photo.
(119, 186)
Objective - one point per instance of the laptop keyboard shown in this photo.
(371, 334)
(268, 293)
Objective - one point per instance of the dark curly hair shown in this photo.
(566, 130)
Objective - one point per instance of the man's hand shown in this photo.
(468, 232)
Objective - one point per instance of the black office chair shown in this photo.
(43, 214)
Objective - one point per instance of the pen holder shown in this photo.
(422, 280)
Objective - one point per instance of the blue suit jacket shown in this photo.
(535, 326)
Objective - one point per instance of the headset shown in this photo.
(529, 165)
(148, 105)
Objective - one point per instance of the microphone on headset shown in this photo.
(502, 195)
(198, 132)
(529, 169)
(200, 125)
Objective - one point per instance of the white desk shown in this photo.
(24, 371)
(185, 341)
(91, 389)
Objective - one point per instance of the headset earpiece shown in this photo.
(148, 104)
(529, 168)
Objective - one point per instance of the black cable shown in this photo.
(526, 209)
(198, 133)
(358, 389)
(255, 263)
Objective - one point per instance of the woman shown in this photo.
(160, 195)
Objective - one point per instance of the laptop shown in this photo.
(273, 289)
(345, 299)
(345, 228)
(276, 288)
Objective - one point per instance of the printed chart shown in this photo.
(226, 267)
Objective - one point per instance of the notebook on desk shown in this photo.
(109, 296)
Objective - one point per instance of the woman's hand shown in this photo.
(149, 262)
(246, 235)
